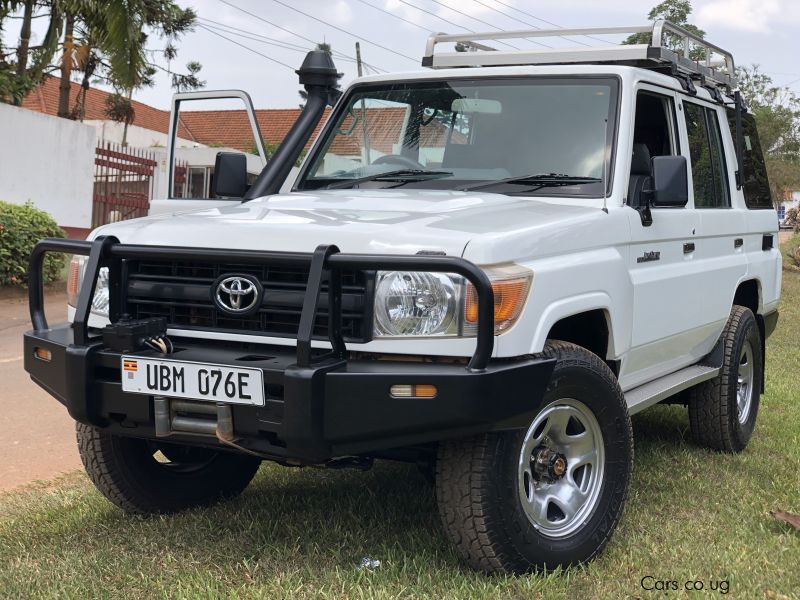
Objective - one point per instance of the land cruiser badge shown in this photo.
(648, 257)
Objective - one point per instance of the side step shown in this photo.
(651, 393)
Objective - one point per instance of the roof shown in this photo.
(231, 128)
(44, 99)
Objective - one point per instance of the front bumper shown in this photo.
(318, 406)
(331, 408)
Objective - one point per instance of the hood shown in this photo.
(361, 221)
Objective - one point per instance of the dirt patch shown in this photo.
(38, 434)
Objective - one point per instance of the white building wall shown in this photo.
(48, 160)
(138, 137)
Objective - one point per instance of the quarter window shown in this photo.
(755, 182)
(709, 173)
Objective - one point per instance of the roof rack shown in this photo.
(671, 47)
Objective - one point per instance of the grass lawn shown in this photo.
(691, 515)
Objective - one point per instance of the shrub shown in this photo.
(21, 226)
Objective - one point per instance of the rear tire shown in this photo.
(142, 477)
(723, 410)
(506, 512)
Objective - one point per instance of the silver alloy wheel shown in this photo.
(558, 507)
(744, 382)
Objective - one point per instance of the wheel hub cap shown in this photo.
(561, 467)
(744, 382)
(548, 465)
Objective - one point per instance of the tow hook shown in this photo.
(548, 466)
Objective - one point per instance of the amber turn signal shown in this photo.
(509, 298)
(43, 354)
(413, 391)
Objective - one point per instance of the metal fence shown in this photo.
(123, 183)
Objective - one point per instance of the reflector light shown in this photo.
(413, 391)
(43, 354)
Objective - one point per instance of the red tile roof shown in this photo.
(225, 127)
(44, 99)
(231, 128)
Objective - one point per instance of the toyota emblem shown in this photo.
(237, 294)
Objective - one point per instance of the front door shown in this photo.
(667, 320)
(201, 125)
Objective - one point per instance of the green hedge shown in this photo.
(21, 226)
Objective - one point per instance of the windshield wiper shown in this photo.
(397, 175)
(538, 180)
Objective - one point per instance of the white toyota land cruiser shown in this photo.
(485, 267)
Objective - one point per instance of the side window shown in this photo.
(709, 173)
(653, 135)
(755, 183)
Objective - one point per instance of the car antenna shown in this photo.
(605, 167)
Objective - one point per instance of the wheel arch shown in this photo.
(748, 293)
(585, 321)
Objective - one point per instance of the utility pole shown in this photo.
(358, 60)
(364, 132)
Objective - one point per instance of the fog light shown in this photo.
(413, 391)
(43, 354)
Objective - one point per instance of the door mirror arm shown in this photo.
(645, 214)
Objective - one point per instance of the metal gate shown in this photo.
(123, 183)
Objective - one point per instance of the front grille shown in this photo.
(180, 291)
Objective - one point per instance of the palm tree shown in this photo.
(112, 38)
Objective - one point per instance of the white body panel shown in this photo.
(662, 315)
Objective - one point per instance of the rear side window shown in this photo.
(755, 183)
(709, 173)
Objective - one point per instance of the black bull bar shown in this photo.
(332, 405)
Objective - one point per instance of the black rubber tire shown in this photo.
(713, 410)
(125, 472)
(476, 479)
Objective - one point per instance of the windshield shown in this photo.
(532, 135)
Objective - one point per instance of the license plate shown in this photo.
(196, 381)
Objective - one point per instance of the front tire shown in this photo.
(143, 477)
(723, 410)
(550, 495)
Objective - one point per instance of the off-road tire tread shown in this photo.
(468, 512)
(709, 402)
(105, 468)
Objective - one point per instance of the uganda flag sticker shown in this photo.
(130, 365)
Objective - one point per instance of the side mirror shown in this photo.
(670, 182)
(230, 175)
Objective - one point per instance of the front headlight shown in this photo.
(442, 305)
(75, 275)
(416, 304)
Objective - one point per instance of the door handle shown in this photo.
(738, 243)
(688, 248)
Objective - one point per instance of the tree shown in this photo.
(22, 68)
(103, 39)
(113, 46)
(777, 113)
(676, 12)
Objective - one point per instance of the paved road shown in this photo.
(37, 439)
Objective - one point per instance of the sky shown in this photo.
(764, 32)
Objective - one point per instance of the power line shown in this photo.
(433, 14)
(281, 27)
(518, 20)
(396, 16)
(256, 37)
(481, 21)
(275, 60)
(548, 22)
(358, 37)
(231, 29)
(245, 36)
